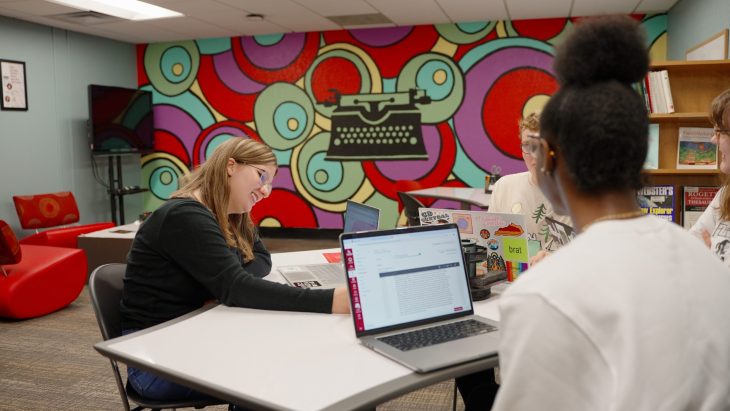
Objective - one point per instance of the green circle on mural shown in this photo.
(330, 181)
(442, 80)
(280, 107)
(465, 33)
(362, 69)
(172, 67)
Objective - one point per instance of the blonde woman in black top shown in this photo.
(201, 245)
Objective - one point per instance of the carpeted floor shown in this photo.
(48, 363)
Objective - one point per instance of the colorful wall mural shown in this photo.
(462, 86)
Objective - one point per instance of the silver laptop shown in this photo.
(410, 299)
(358, 217)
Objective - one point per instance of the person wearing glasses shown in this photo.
(201, 245)
(713, 226)
(518, 193)
(633, 313)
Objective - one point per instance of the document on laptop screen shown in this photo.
(406, 277)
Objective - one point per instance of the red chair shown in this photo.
(51, 210)
(37, 280)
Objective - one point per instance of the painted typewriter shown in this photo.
(383, 126)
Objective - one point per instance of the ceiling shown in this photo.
(227, 18)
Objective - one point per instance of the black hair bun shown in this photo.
(603, 49)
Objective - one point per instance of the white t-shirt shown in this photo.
(719, 230)
(515, 194)
(631, 315)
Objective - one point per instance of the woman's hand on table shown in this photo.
(340, 301)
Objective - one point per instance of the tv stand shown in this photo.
(117, 190)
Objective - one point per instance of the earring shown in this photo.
(550, 158)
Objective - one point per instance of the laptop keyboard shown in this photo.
(436, 335)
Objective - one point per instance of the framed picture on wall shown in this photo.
(15, 93)
(714, 48)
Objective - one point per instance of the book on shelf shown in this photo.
(667, 91)
(652, 153)
(695, 200)
(695, 149)
(658, 200)
(658, 92)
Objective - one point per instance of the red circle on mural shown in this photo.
(335, 73)
(540, 29)
(226, 101)
(169, 143)
(287, 208)
(506, 99)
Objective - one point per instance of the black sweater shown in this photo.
(180, 259)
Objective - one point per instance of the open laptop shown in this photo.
(358, 217)
(405, 281)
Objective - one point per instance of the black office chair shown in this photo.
(105, 288)
(410, 208)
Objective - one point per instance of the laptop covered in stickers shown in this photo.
(503, 236)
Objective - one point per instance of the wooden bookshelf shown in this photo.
(694, 84)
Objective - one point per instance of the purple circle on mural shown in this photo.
(415, 169)
(381, 37)
(232, 76)
(178, 123)
(276, 56)
(478, 80)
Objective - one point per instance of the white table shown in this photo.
(467, 196)
(278, 360)
(108, 246)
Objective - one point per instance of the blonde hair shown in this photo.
(531, 122)
(719, 117)
(210, 180)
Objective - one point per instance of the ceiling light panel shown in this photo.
(126, 9)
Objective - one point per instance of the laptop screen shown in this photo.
(403, 277)
(360, 217)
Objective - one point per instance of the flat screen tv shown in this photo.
(121, 120)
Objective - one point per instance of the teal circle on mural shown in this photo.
(163, 178)
(361, 67)
(286, 128)
(465, 33)
(215, 142)
(268, 39)
(290, 120)
(214, 45)
(175, 64)
(329, 181)
(324, 175)
(442, 80)
(172, 67)
(437, 77)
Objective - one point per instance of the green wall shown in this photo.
(691, 22)
(46, 148)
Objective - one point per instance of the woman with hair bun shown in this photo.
(632, 314)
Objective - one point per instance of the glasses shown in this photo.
(530, 147)
(721, 131)
(264, 177)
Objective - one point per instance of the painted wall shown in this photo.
(691, 22)
(481, 78)
(46, 148)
